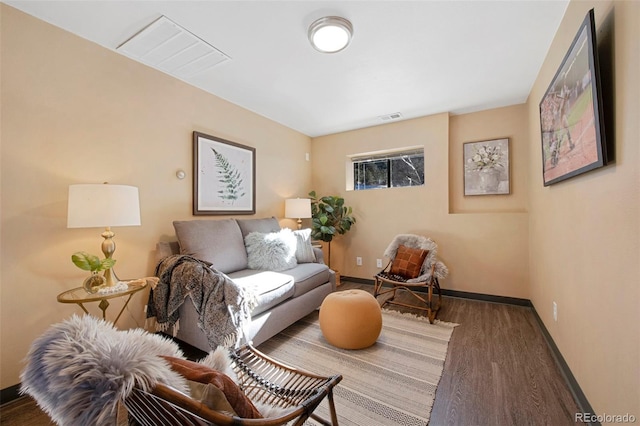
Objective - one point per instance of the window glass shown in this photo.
(404, 168)
(407, 170)
(371, 174)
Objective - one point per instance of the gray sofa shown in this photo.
(283, 297)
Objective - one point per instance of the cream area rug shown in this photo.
(392, 382)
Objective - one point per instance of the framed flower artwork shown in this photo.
(486, 167)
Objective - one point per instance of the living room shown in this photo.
(74, 112)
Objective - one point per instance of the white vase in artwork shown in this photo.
(489, 180)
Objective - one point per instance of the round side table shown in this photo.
(79, 296)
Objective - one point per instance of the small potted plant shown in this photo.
(89, 262)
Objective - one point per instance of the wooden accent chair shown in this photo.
(297, 393)
(413, 266)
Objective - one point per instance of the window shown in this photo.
(389, 170)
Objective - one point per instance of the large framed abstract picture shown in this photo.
(224, 176)
(571, 113)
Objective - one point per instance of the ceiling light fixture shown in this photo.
(330, 34)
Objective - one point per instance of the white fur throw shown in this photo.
(423, 243)
(275, 251)
(79, 369)
(219, 359)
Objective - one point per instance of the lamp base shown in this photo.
(108, 248)
(111, 279)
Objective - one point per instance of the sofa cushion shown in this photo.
(165, 249)
(265, 225)
(304, 249)
(219, 242)
(308, 276)
(275, 251)
(270, 288)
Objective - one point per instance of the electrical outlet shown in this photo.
(358, 261)
(379, 263)
(555, 311)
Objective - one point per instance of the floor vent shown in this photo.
(167, 46)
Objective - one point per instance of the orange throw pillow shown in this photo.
(190, 370)
(408, 262)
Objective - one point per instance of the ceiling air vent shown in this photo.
(390, 117)
(165, 45)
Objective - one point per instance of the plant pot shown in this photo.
(93, 283)
(337, 277)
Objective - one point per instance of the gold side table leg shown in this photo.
(123, 308)
(83, 308)
(103, 306)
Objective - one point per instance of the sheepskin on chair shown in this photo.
(422, 243)
(79, 369)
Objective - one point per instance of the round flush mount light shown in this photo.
(330, 34)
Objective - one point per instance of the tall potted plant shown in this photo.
(329, 217)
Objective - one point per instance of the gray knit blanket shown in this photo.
(223, 307)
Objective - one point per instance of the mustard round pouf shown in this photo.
(350, 319)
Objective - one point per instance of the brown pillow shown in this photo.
(408, 262)
(200, 373)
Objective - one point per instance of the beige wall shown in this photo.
(74, 112)
(585, 232)
(486, 248)
(510, 122)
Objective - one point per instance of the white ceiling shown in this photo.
(414, 57)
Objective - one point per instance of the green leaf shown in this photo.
(107, 264)
(81, 260)
(89, 262)
(86, 261)
(328, 230)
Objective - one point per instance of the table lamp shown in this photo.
(103, 205)
(297, 208)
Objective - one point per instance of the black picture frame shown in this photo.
(224, 176)
(571, 112)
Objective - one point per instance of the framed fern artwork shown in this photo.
(224, 176)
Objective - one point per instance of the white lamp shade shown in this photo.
(297, 208)
(103, 205)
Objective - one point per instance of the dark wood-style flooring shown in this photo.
(499, 371)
